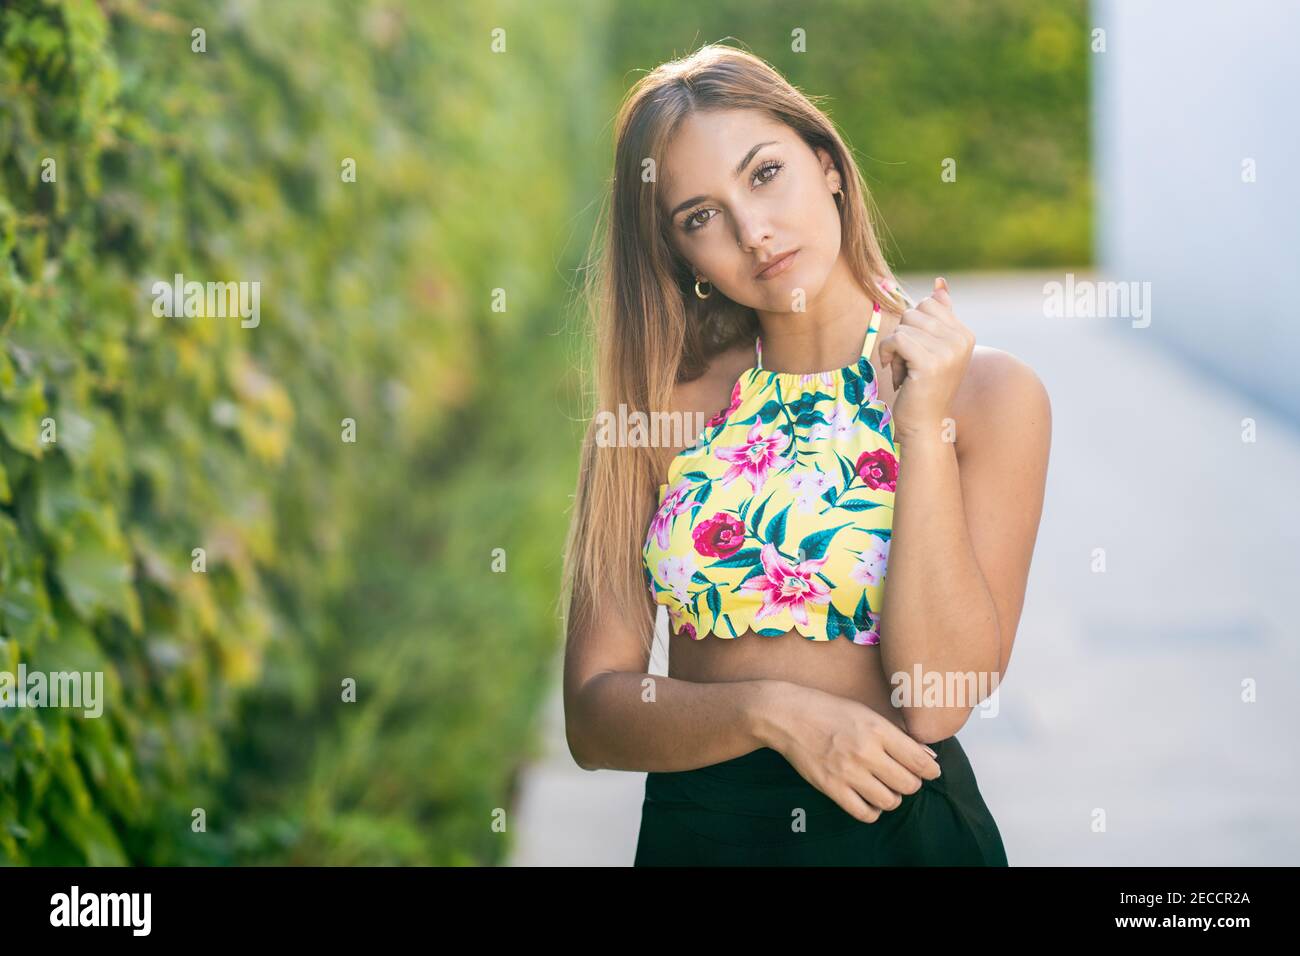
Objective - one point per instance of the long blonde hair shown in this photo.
(651, 330)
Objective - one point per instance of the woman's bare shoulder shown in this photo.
(711, 392)
(1000, 391)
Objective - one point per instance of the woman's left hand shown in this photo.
(927, 354)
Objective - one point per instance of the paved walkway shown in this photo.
(1124, 695)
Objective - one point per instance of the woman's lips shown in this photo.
(776, 268)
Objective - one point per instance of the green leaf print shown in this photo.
(741, 559)
(860, 619)
(846, 469)
(837, 623)
(776, 528)
(854, 388)
(758, 515)
(811, 418)
(813, 546)
(872, 417)
(858, 504)
(807, 403)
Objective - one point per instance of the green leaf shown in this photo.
(846, 469)
(741, 559)
(776, 527)
(837, 624)
(20, 419)
(860, 619)
(95, 570)
(854, 388)
(758, 515)
(813, 546)
(858, 504)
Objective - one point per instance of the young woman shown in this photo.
(846, 430)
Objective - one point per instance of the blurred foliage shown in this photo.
(999, 86)
(127, 440)
(326, 560)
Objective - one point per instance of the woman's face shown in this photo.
(742, 190)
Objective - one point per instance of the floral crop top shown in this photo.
(779, 516)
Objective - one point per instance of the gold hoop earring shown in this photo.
(703, 295)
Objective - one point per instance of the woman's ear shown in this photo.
(832, 174)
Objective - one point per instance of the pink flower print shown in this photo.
(872, 634)
(719, 537)
(808, 487)
(722, 416)
(878, 469)
(676, 573)
(756, 457)
(871, 565)
(840, 425)
(787, 586)
(674, 503)
(680, 624)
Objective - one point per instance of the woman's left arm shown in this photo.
(966, 513)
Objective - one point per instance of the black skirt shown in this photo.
(757, 810)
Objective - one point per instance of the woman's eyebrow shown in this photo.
(740, 168)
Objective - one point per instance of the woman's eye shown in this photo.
(690, 221)
(772, 165)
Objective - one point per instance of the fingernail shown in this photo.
(932, 753)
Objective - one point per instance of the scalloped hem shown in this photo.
(768, 632)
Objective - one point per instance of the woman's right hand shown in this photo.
(857, 757)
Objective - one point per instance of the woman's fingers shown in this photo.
(904, 347)
(911, 753)
(853, 804)
(928, 322)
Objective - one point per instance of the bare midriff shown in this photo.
(837, 667)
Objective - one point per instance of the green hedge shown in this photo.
(326, 559)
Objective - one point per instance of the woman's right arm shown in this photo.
(618, 716)
(641, 721)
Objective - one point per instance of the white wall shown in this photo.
(1185, 91)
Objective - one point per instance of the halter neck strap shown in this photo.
(872, 328)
